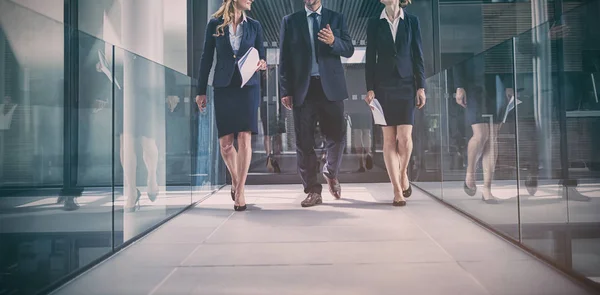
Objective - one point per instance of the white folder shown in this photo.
(248, 65)
(377, 111)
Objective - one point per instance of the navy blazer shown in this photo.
(226, 59)
(295, 58)
(383, 56)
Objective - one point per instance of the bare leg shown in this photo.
(269, 150)
(243, 164)
(366, 139)
(405, 147)
(151, 160)
(229, 155)
(359, 146)
(129, 164)
(392, 160)
(474, 151)
(489, 158)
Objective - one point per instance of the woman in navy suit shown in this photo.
(231, 33)
(396, 77)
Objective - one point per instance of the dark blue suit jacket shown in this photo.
(295, 58)
(383, 56)
(226, 59)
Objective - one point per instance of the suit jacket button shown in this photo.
(234, 56)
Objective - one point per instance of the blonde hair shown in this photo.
(227, 12)
(404, 3)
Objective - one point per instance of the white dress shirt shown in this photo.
(236, 39)
(393, 24)
(315, 66)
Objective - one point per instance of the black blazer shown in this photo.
(384, 56)
(295, 58)
(226, 59)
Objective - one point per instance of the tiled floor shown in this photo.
(359, 245)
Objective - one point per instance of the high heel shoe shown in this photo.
(400, 203)
(492, 201)
(408, 192)
(153, 196)
(232, 194)
(470, 191)
(239, 208)
(136, 206)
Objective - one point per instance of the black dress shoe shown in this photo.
(70, 204)
(312, 199)
(470, 191)
(408, 192)
(369, 162)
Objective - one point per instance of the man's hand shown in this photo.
(201, 101)
(370, 97)
(262, 65)
(326, 36)
(172, 101)
(287, 102)
(99, 105)
(421, 98)
(461, 97)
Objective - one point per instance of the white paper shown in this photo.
(248, 65)
(510, 107)
(105, 69)
(377, 111)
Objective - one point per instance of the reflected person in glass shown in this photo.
(232, 34)
(395, 75)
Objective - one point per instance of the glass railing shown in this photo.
(97, 147)
(530, 170)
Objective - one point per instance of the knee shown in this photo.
(226, 146)
(404, 140)
(389, 144)
(245, 140)
(480, 137)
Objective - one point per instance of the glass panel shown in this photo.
(55, 218)
(152, 139)
(558, 68)
(429, 126)
(210, 171)
(485, 185)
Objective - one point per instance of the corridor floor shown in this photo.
(357, 245)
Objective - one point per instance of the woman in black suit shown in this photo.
(396, 77)
(231, 33)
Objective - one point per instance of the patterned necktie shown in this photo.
(315, 25)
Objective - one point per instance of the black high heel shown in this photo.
(232, 194)
(153, 196)
(408, 192)
(136, 205)
(401, 203)
(470, 191)
(239, 208)
(492, 201)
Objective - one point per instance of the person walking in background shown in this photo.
(395, 75)
(312, 83)
(231, 34)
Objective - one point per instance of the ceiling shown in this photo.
(356, 12)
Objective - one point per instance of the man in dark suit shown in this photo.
(313, 84)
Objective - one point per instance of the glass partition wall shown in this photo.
(519, 140)
(119, 123)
